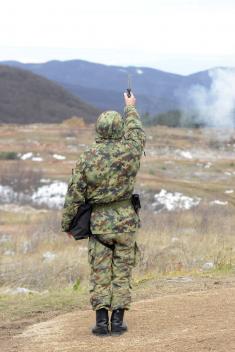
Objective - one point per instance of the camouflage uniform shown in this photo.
(104, 176)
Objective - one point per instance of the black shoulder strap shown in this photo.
(110, 246)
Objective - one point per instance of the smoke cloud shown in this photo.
(215, 106)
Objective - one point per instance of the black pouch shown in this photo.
(80, 225)
(135, 200)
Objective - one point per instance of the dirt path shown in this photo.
(195, 321)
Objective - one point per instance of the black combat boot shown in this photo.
(102, 323)
(118, 327)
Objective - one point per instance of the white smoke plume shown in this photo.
(215, 106)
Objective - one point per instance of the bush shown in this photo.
(8, 156)
(21, 178)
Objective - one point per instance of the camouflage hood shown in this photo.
(109, 125)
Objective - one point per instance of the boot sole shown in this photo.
(117, 333)
(101, 335)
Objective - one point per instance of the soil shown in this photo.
(180, 321)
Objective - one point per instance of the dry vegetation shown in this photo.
(35, 255)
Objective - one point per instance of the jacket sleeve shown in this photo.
(76, 194)
(134, 134)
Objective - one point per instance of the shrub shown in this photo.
(8, 156)
(21, 178)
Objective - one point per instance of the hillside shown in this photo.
(27, 98)
(102, 85)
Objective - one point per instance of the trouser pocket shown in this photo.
(91, 250)
(137, 254)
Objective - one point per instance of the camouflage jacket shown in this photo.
(105, 174)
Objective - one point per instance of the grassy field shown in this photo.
(35, 255)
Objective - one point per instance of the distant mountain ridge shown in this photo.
(103, 85)
(27, 98)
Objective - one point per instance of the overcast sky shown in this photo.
(181, 36)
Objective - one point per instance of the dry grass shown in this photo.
(185, 241)
(177, 241)
(170, 241)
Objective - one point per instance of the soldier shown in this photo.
(105, 176)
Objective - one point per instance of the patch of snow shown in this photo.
(208, 165)
(173, 201)
(26, 247)
(229, 191)
(186, 154)
(51, 195)
(174, 239)
(122, 70)
(7, 194)
(45, 180)
(59, 157)
(208, 266)
(180, 279)
(139, 71)
(26, 156)
(70, 138)
(5, 238)
(19, 290)
(49, 256)
(37, 158)
(228, 173)
(218, 202)
(9, 252)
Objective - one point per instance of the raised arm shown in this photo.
(134, 134)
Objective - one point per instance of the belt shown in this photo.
(113, 204)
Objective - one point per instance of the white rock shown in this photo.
(174, 239)
(5, 238)
(19, 290)
(9, 252)
(49, 256)
(229, 191)
(208, 165)
(208, 266)
(186, 154)
(26, 246)
(180, 279)
(59, 157)
(37, 158)
(218, 202)
(45, 180)
(27, 156)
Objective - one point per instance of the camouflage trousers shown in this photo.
(110, 278)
